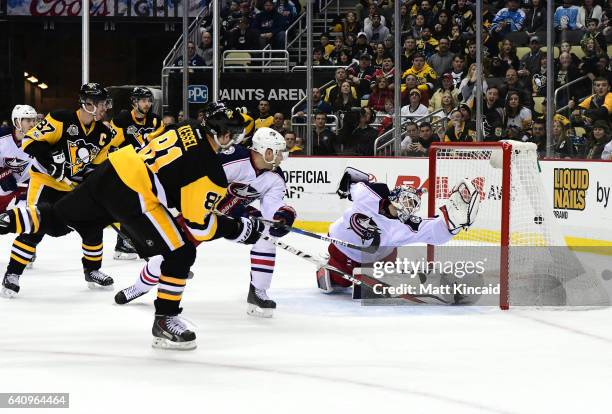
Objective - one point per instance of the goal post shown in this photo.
(514, 228)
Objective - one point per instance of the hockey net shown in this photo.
(515, 231)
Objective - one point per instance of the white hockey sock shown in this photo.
(149, 276)
(262, 268)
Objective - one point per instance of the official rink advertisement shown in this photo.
(578, 192)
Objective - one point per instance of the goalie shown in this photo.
(384, 220)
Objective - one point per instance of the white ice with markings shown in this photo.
(319, 353)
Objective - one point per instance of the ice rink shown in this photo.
(319, 354)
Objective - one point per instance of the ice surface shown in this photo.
(319, 353)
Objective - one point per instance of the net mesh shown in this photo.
(541, 269)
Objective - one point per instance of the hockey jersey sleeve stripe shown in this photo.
(206, 233)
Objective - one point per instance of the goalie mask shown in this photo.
(220, 120)
(406, 200)
(268, 139)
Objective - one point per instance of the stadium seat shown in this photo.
(237, 59)
(580, 132)
(609, 50)
(364, 103)
(556, 49)
(522, 51)
(577, 50)
(538, 104)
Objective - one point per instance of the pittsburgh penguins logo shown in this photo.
(81, 153)
(244, 191)
(16, 165)
(365, 227)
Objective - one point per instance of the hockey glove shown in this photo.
(8, 183)
(351, 176)
(462, 207)
(249, 230)
(285, 216)
(55, 168)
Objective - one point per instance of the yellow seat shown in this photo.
(538, 104)
(522, 51)
(580, 132)
(237, 59)
(609, 50)
(364, 103)
(577, 50)
(556, 49)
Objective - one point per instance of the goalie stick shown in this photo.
(363, 280)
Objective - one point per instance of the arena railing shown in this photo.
(387, 139)
(261, 60)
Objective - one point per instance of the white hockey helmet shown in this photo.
(268, 139)
(20, 112)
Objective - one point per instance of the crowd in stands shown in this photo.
(438, 72)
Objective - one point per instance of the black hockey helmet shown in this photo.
(219, 119)
(141, 92)
(93, 91)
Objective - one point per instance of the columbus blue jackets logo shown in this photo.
(16, 165)
(244, 191)
(365, 227)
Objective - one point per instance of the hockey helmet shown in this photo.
(20, 112)
(96, 93)
(141, 92)
(406, 200)
(269, 139)
(219, 120)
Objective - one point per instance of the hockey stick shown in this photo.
(368, 249)
(363, 280)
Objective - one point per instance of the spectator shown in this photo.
(292, 147)
(334, 90)
(200, 116)
(361, 9)
(389, 45)
(363, 136)
(592, 53)
(589, 11)
(411, 83)
(323, 139)
(508, 19)
(377, 31)
(566, 47)
(380, 93)
(467, 86)
(420, 145)
(362, 75)
(206, 48)
(417, 26)
(168, 120)
(385, 118)
(193, 58)
(362, 46)
(566, 17)
(441, 61)
(318, 57)
(599, 140)
(538, 135)
(447, 104)
(412, 135)
(463, 15)
(415, 109)
(379, 55)
(368, 22)
(505, 60)
(565, 72)
(387, 71)
(345, 100)
(271, 26)
(603, 69)
(278, 123)
(535, 18)
(181, 116)
(515, 114)
(538, 79)
(563, 147)
(530, 63)
(457, 42)
(287, 9)
(427, 45)
(410, 48)
(513, 83)
(470, 57)
(458, 71)
(492, 116)
(351, 25)
(443, 25)
(447, 85)
(459, 131)
(422, 71)
(597, 106)
(318, 105)
(265, 119)
(405, 21)
(593, 33)
(327, 47)
(338, 47)
(243, 37)
(345, 58)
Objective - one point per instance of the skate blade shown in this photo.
(95, 286)
(125, 256)
(30, 265)
(163, 343)
(7, 293)
(254, 310)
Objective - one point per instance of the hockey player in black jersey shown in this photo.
(133, 128)
(66, 145)
(177, 170)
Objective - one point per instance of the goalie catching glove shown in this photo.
(462, 207)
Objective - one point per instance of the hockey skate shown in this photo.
(10, 285)
(97, 280)
(31, 264)
(124, 250)
(128, 294)
(259, 304)
(170, 332)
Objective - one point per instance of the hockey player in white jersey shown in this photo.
(14, 175)
(253, 174)
(384, 220)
